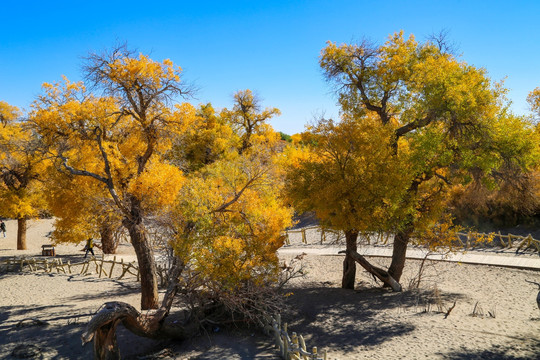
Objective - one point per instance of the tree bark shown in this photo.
(105, 344)
(402, 237)
(108, 243)
(147, 266)
(21, 233)
(379, 273)
(349, 265)
(145, 257)
(399, 253)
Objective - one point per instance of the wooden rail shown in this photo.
(101, 267)
(290, 347)
(323, 232)
(471, 238)
(338, 234)
(522, 242)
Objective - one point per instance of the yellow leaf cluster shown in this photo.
(234, 207)
(158, 186)
(22, 165)
(8, 113)
(151, 73)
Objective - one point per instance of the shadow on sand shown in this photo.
(498, 352)
(314, 311)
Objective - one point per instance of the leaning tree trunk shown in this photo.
(349, 265)
(379, 273)
(108, 242)
(399, 253)
(145, 257)
(102, 327)
(21, 233)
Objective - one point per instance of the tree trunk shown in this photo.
(147, 266)
(102, 327)
(402, 237)
(108, 243)
(145, 257)
(375, 271)
(349, 265)
(105, 344)
(21, 233)
(399, 253)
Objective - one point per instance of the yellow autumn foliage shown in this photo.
(348, 175)
(237, 216)
(8, 113)
(158, 186)
(22, 165)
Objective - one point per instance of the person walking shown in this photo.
(3, 227)
(89, 247)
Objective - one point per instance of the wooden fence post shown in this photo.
(112, 266)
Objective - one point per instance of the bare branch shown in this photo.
(440, 40)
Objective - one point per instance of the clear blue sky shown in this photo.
(271, 47)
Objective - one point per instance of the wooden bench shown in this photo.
(48, 250)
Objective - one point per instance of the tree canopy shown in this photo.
(447, 119)
(22, 170)
(118, 139)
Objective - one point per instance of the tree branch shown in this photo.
(416, 124)
(381, 274)
(224, 207)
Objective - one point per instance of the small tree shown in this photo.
(82, 209)
(230, 216)
(22, 166)
(348, 175)
(247, 117)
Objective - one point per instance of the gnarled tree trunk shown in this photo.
(147, 265)
(349, 265)
(403, 236)
(21, 233)
(102, 327)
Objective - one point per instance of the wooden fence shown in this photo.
(291, 347)
(322, 231)
(467, 240)
(101, 267)
(504, 241)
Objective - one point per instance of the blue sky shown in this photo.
(271, 47)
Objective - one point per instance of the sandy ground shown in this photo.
(368, 323)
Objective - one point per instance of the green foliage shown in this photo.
(285, 137)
